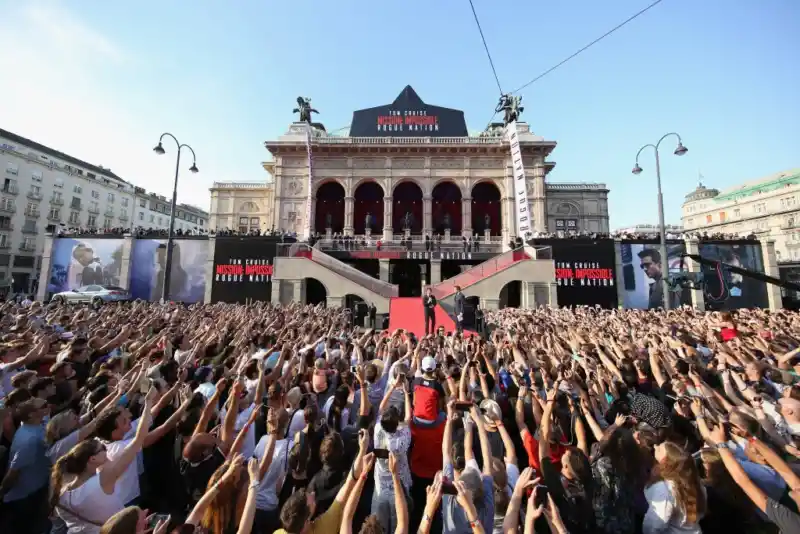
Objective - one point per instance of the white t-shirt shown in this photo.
(249, 444)
(270, 487)
(128, 483)
(91, 503)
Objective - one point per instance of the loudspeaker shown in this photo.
(629, 277)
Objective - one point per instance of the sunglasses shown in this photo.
(645, 265)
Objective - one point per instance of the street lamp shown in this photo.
(159, 149)
(680, 150)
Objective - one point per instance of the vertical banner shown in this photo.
(307, 222)
(78, 262)
(643, 270)
(725, 290)
(187, 272)
(521, 207)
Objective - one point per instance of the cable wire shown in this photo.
(486, 47)
(609, 32)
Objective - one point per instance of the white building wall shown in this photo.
(773, 214)
(41, 188)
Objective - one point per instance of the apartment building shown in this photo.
(768, 207)
(42, 189)
(152, 211)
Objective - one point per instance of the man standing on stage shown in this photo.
(459, 300)
(372, 313)
(429, 303)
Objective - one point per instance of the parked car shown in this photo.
(95, 294)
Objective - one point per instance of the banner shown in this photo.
(79, 262)
(307, 222)
(521, 207)
(408, 116)
(725, 290)
(187, 280)
(585, 274)
(643, 271)
(243, 269)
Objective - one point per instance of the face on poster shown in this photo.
(81, 262)
(643, 271)
(725, 290)
(187, 277)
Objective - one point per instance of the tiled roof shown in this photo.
(763, 185)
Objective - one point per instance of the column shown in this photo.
(620, 281)
(698, 299)
(466, 216)
(299, 291)
(312, 209)
(383, 270)
(771, 269)
(387, 219)
(335, 302)
(538, 207)
(436, 271)
(125, 262)
(209, 271)
(509, 221)
(427, 214)
(275, 297)
(47, 262)
(348, 215)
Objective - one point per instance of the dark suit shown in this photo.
(459, 301)
(372, 311)
(429, 303)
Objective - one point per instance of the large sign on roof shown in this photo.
(408, 116)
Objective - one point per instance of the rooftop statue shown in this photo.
(512, 106)
(304, 109)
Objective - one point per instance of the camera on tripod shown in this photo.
(682, 280)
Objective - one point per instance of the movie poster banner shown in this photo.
(584, 271)
(243, 269)
(521, 204)
(725, 290)
(643, 271)
(81, 262)
(187, 276)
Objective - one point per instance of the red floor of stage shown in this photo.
(408, 313)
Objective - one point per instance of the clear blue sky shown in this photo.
(102, 80)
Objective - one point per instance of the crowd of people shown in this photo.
(224, 418)
(625, 235)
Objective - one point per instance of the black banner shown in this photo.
(243, 268)
(409, 255)
(408, 116)
(584, 271)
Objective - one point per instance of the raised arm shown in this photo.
(114, 469)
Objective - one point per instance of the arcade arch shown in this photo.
(329, 208)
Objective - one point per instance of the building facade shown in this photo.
(408, 167)
(768, 207)
(44, 189)
(673, 230)
(243, 206)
